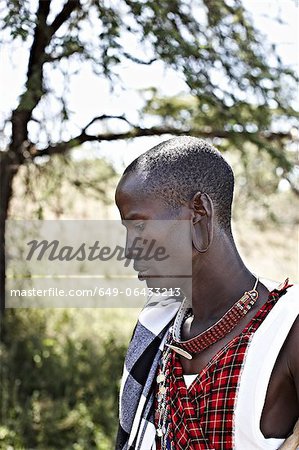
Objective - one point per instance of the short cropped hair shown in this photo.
(178, 168)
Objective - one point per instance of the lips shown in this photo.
(141, 276)
(142, 273)
(140, 268)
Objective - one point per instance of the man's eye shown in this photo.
(140, 226)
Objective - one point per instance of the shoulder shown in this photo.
(291, 349)
(284, 322)
(291, 301)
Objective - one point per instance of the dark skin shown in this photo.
(219, 278)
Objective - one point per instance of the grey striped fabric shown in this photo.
(136, 419)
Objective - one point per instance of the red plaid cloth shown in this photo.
(201, 417)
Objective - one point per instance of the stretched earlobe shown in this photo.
(196, 243)
(206, 224)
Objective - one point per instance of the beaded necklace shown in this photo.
(216, 331)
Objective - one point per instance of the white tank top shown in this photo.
(189, 379)
(259, 362)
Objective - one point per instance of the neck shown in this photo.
(219, 279)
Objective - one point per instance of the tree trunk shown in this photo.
(8, 169)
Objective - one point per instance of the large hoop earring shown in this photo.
(200, 250)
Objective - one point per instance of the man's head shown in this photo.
(175, 170)
(182, 179)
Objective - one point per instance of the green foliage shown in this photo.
(237, 89)
(213, 44)
(243, 128)
(59, 184)
(260, 191)
(198, 114)
(18, 18)
(59, 388)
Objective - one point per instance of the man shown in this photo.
(219, 370)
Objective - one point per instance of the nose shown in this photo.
(130, 250)
(135, 246)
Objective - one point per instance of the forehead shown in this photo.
(131, 199)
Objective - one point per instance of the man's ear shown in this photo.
(202, 221)
(202, 206)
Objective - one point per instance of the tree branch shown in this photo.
(63, 147)
(41, 36)
(64, 14)
(66, 54)
(139, 61)
(294, 188)
(34, 83)
(104, 117)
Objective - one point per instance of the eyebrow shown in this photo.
(135, 216)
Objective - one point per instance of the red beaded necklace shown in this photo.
(217, 331)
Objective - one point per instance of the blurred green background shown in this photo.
(90, 85)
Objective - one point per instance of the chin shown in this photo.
(161, 283)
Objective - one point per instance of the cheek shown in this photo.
(178, 257)
(179, 240)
